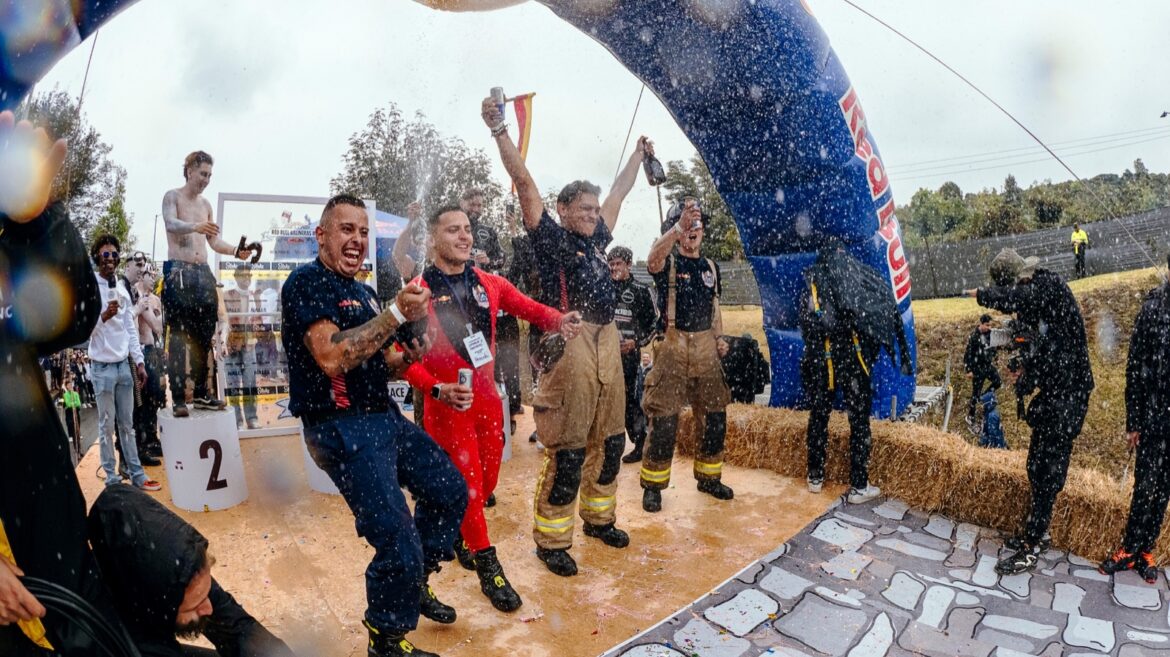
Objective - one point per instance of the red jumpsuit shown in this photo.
(472, 438)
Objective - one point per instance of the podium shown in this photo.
(318, 479)
(205, 470)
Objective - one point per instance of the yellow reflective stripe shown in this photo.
(598, 503)
(656, 476)
(857, 348)
(554, 526)
(829, 362)
(32, 628)
(708, 468)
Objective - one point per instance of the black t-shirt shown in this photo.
(586, 271)
(486, 239)
(697, 285)
(313, 293)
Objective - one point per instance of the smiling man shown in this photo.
(340, 361)
(579, 406)
(189, 295)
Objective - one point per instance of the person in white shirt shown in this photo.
(112, 345)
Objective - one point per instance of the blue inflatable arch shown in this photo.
(754, 85)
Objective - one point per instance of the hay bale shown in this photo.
(933, 471)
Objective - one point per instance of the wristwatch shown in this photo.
(437, 391)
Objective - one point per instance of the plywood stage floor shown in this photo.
(292, 558)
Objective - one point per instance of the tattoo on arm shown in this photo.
(359, 343)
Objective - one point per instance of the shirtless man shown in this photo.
(189, 295)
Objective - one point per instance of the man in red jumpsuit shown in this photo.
(468, 422)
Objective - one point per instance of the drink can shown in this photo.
(465, 380)
(497, 94)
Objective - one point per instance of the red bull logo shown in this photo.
(879, 184)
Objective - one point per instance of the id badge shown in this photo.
(478, 349)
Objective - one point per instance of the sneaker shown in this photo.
(863, 495)
(149, 485)
(1018, 542)
(1020, 561)
(491, 501)
(180, 410)
(610, 535)
(431, 607)
(494, 583)
(209, 403)
(716, 489)
(1117, 562)
(634, 456)
(815, 485)
(392, 645)
(463, 554)
(559, 562)
(1147, 568)
(651, 500)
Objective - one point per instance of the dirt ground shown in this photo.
(292, 558)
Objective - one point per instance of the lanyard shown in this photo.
(458, 298)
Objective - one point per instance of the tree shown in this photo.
(720, 236)
(89, 179)
(1046, 204)
(114, 221)
(395, 162)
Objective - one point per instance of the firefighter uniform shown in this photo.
(579, 401)
(636, 318)
(686, 370)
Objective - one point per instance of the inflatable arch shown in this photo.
(754, 85)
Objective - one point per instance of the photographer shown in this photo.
(979, 361)
(1053, 360)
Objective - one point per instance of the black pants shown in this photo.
(1151, 491)
(1056, 418)
(152, 397)
(635, 418)
(508, 358)
(1080, 263)
(854, 384)
(190, 302)
(977, 381)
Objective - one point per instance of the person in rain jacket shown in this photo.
(158, 569)
(1147, 425)
(744, 367)
(1053, 361)
(847, 315)
(637, 320)
(686, 361)
(580, 400)
(979, 361)
(49, 300)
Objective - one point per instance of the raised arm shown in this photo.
(624, 182)
(656, 260)
(337, 351)
(531, 204)
(404, 261)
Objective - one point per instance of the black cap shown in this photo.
(984, 318)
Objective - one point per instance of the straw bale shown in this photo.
(936, 472)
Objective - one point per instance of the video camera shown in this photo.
(1019, 339)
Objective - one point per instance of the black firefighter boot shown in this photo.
(392, 645)
(494, 583)
(431, 607)
(714, 433)
(716, 488)
(463, 554)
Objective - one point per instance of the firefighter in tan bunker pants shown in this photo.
(686, 362)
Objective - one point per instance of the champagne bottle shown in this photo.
(655, 174)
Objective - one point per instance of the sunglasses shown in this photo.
(110, 255)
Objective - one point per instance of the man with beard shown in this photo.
(189, 288)
(636, 319)
(159, 571)
(579, 402)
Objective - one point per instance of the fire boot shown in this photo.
(716, 488)
(431, 607)
(392, 645)
(610, 535)
(463, 554)
(494, 583)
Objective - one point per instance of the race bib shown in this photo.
(478, 349)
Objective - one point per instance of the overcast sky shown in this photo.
(275, 94)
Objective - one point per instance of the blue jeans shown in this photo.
(240, 367)
(113, 384)
(367, 457)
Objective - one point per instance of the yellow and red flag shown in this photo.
(522, 106)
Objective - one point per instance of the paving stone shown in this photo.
(940, 526)
(932, 542)
(985, 574)
(935, 604)
(810, 620)
(701, 638)
(1018, 585)
(963, 586)
(919, 639)
(748, 575)
(877, 641)
(962, 575)
(966, 599)
(904, 591)
(961, 559)
(1004, 640)
(741, 614)
(1134, 650)
(885, 530)
(845, 536)
(1067, 598)
(892, 509)
(903, 529)
(839, 598)
(855, 594)
(1085, 573)
(775, 554)
(1147, 637)
(910, 549)
(1080, 561)
(1093, 633)
(1130, 590)
(1020, 626)
(1001, 651)
(784, 651)
(989, 546)
(784, 584)
(962, 621)
(652, 650)
(1056, 650)
(847, 565)
(1040, 598)
(854, 520)
(881, 571)
(966, 535)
